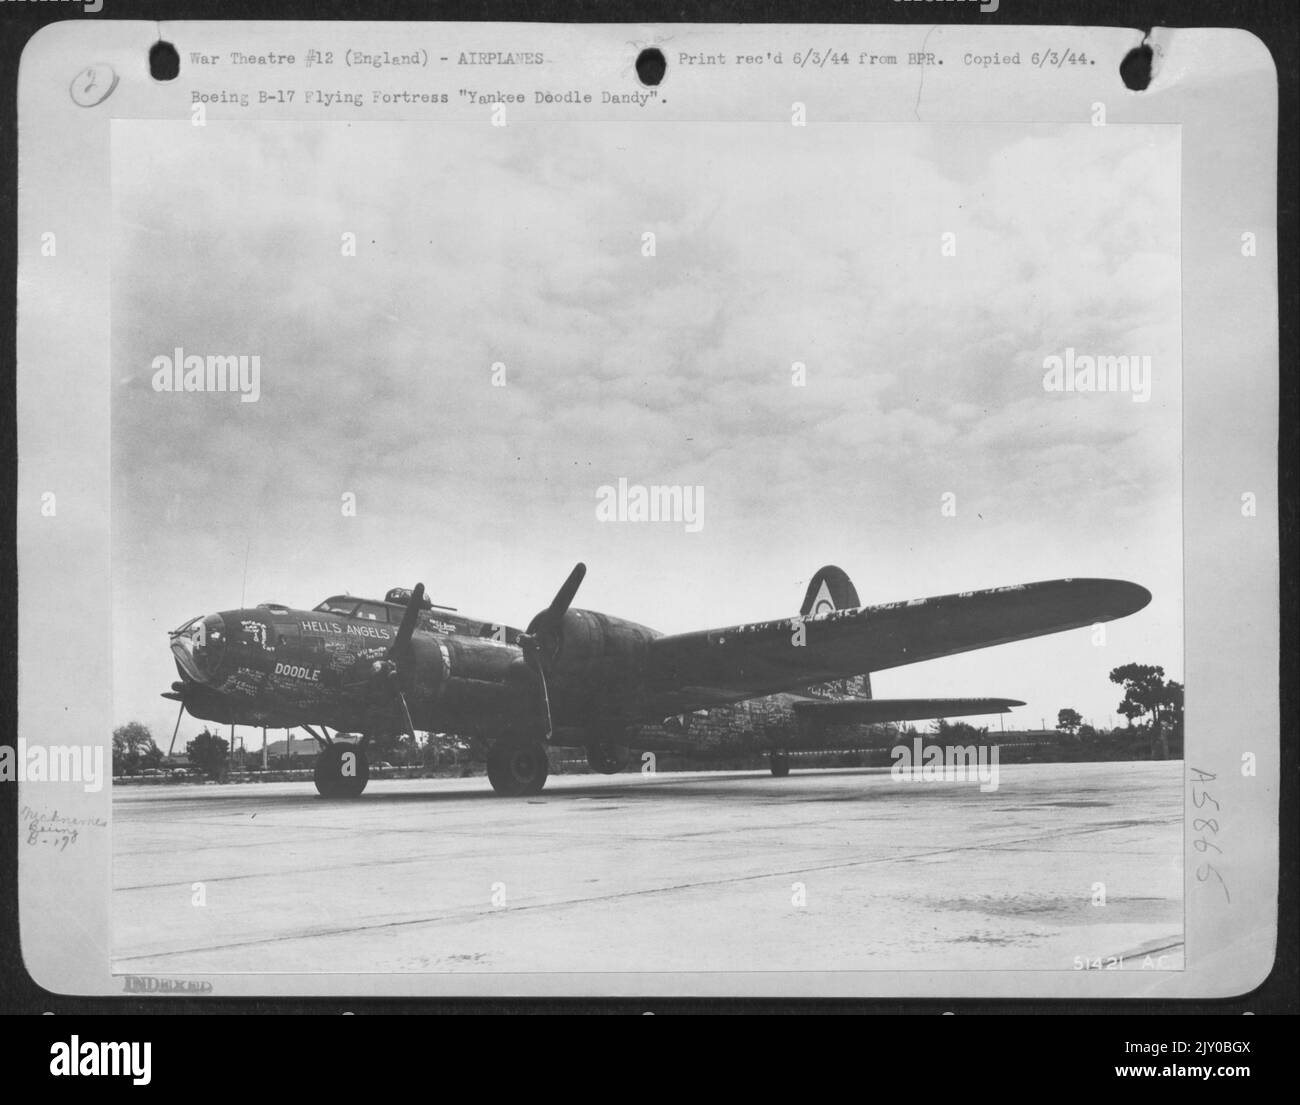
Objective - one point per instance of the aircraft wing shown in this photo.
(868, 711)
(692, 671)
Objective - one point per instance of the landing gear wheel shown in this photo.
(780, 763)
(515, 770)
(342, 771)
(608, 759)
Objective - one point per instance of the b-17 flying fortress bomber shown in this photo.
(586, 679)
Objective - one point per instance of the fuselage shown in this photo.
(281, 667)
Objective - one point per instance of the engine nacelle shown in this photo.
(598, 671)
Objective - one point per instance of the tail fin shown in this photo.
(830, 589)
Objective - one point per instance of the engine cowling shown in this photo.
(596, 670)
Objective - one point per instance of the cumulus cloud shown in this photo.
(524, 246)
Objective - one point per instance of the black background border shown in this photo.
(1273, 21)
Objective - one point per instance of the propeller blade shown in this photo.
(544, 631)
(409, 619)
(546, 707)
(542, 640)
(564, 596)
(532, 657)
(406, 713)
(391, 667)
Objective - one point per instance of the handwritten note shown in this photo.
(53, 829)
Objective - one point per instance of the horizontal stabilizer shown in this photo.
(867, 711)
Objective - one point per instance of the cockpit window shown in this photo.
(372, 611)
(341, 606)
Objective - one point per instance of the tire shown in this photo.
(608, 759)
(331, 782)
(516, 770)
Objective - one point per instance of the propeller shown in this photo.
(541, 643)
(409, 618)
(398, 654)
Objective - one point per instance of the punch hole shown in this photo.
(164, 61)
(651, 66)
(1135, 69)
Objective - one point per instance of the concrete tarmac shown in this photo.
(841, 869)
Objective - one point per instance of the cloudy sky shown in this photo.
(524, 245)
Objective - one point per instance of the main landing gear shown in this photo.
(342, 770)
(780, 763)
(517, 769)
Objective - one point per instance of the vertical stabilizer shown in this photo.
(829, 590)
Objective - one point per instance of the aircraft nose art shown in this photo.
(198, 647)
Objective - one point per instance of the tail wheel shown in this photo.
(780, 764)
(342, 771)
(517, 769)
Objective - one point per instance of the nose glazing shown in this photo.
(199, 646)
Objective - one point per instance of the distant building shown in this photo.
(302, 753)
(1026, 736)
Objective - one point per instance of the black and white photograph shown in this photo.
(562, 538)
(402, 378)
